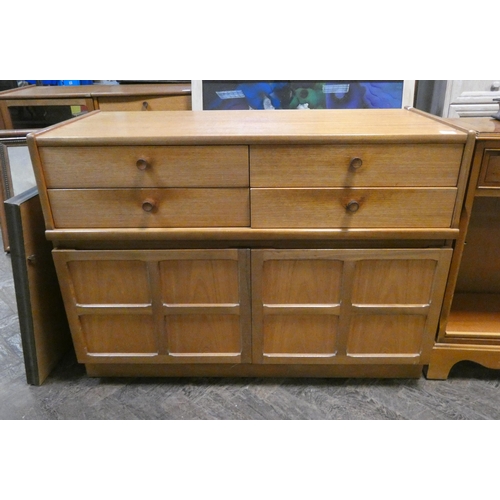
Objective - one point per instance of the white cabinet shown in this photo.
(459, 98)
(471, 98)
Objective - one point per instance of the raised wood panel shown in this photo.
(119, 335)
(204, 335)
(400, 282)
(109, 282)
(490, 171)
(124, 208)
(167, 166)
(387, 334)
(301, 282)
(299, 336)
(145, 103)
(387, 165)
(199, 282)
(374, 208)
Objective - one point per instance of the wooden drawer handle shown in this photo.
(352, 206)
(149, 205)
(355, 163)
(143, 163)
(145, 106)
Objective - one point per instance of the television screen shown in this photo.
(295, 94)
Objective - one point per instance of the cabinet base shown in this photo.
(444, 356)
(247, 370)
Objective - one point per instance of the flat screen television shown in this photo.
(301, 94)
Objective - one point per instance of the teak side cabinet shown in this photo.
(470, 323)
(283, 243)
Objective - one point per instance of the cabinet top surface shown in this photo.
(247, 127)
(481, 125)
(63, 91)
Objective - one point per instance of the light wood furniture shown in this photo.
(45, 105)
(142, 97)
(470, 324)
(253, 243)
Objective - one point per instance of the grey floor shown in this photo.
(470, 393)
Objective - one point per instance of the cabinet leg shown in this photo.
(438, 368)
(444, 356)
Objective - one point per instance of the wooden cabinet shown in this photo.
(41, 106)
(470, 325)
(143, 97)
(253, 243)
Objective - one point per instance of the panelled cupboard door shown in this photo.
(157, 306)
(346, 306)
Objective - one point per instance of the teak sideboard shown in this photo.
(273, 243)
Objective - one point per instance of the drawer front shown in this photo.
(490, 169)
(378, 165)
(145, 166)
(146, 103)
(149, 208)
(352, 208)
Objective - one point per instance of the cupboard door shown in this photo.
(161, 306)
(296, 305)
(395, 304)
(206, 305)
(346, 306)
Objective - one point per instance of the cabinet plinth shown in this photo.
(253, 243)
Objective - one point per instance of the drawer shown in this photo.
(146, 103)
(490, 169)
(377, 165)
(149, 208)
(352, 208)
(145, 166)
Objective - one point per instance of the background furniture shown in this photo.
(16, 172)
(40, 106)
(253, 243)
(43, 324)
(470, 324)
(458, 98)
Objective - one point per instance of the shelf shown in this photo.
(475, 315)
